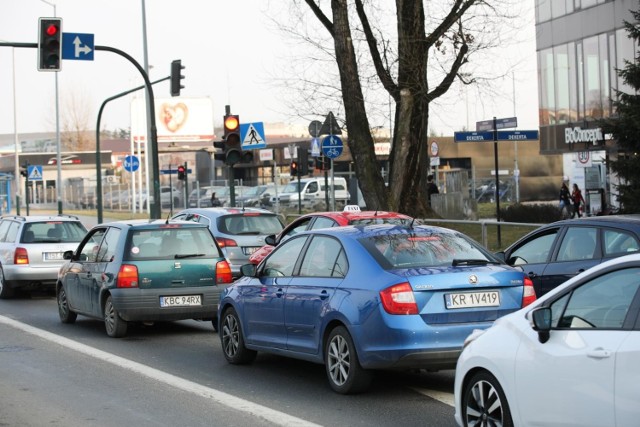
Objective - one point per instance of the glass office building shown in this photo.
(580, 44)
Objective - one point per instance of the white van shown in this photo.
(312, 191)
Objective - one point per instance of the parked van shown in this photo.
(312, 191)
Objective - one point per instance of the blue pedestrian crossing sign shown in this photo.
(34, 173)
(252, 136)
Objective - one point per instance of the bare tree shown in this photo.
(431, 52)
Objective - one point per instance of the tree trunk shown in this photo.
(359, 140)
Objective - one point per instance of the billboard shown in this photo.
(177, 119)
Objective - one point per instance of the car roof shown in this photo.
(347, 216)
(219, 211)
(37, 218)
(149, 223)
(631, 219)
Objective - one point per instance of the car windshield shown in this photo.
(425, 249)
(292, 187)
(53, 232)
(253, 191)
(250, 224)
(171, 243)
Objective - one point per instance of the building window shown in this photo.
(547, 90)
(543, 10)
(592, 98)
(573, 83)
(624, 50)
(561, 66)
(605, 79)
(558, 9)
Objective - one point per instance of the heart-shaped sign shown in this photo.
(173, 116)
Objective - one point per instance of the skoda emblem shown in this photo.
(473, 279)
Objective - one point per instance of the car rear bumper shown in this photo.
(23, 275)
(144, 304)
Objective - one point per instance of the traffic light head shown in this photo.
(176, 77)
(232, 146)
(294, 169)
(49, 44)
(181, 173)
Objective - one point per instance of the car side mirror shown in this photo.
(500, 256)
(248, 270)
(542, 323)
(67, 255)
(270, 240)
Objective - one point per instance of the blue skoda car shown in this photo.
(360, 298)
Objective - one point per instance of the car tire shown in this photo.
(66, 314)
(232, 340)
(484, 402)
(116, 327)
(6, 291)
(344, 372)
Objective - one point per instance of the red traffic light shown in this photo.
(181, 173)
(52, 29)
(294, 169)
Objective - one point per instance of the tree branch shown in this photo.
(446, 82)
(457, 10)
(383, 73)
(321, 16)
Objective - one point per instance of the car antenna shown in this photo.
(168, 216)
(411, 224)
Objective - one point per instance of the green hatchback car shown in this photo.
(143, 271)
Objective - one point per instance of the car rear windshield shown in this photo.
(379, 220)
(53, 232)
(250, 224)
(409, 250)
(171, 243)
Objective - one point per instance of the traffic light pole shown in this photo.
(153, 130)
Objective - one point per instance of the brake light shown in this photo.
(21, 256)
(529, 293)
(223, 273)
(127, 276)
(399, 299)
(223, 242)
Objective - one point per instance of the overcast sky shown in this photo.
(200, 33)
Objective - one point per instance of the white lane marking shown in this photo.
(236, 403)
(441, 396)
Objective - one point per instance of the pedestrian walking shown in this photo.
(432, 188)
(565, 200)
(578, 200)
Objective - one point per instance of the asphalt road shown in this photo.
(175, 374)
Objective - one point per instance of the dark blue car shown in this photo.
(360, 298)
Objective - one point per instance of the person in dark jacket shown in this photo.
(432, 188)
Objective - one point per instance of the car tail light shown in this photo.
(399, 299)
(21, 256)
(127, 276)
(223, 273)
(223, 242)
(529, 294)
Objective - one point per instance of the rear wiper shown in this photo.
(457, 262)
(188, 255)
(248, 233)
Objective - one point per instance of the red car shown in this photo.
(351, 215)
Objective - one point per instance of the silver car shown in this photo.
(32, 248)
(238, 231)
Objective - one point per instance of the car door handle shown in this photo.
(532, 275)
(279, 292)
(599, 353)
(580, 270)
(324, 294)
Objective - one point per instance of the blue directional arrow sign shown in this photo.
(472, 136)
(332, 146)
(131, 163)
(77, 46)
(518, 135)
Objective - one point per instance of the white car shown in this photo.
(570, 358)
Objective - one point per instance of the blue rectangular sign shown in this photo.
(77, 46)
(172, 171)
(473, 136)
(518, 135)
